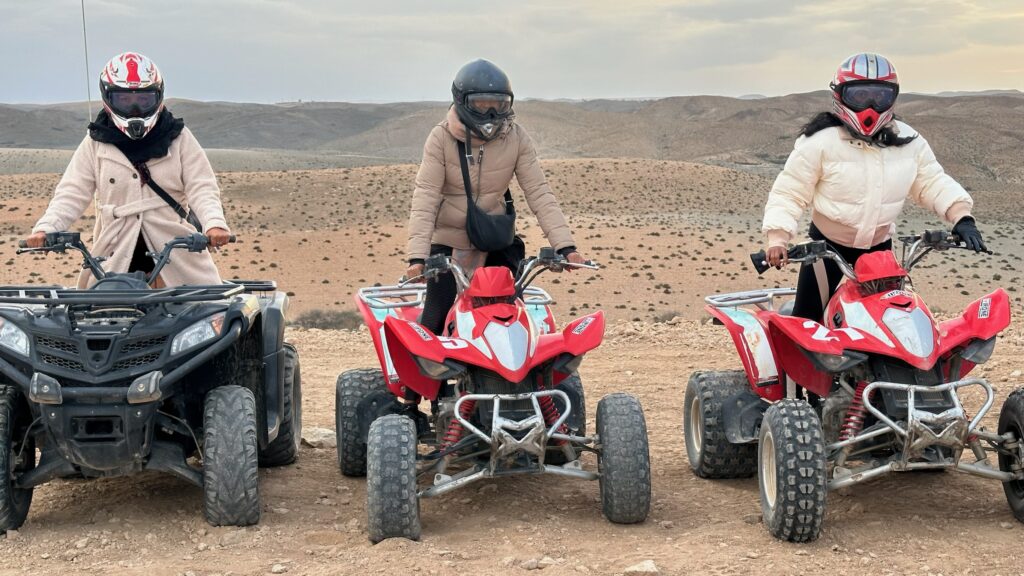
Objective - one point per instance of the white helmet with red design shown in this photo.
(864, 92)
(133, 93)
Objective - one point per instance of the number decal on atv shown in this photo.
(452, 343)
(985, 308)
(421, 331)
(820, 332)
(582, 325)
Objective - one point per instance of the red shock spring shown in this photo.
(455, 429)
(551, 414)
(854, 421)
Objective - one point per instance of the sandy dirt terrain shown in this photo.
(667, 233)
(314, 519)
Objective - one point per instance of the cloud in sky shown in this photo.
(274, 50)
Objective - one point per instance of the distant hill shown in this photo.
(977, 136)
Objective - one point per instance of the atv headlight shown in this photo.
(838, 362)
(437, 370)
(13, 338)
(203, 331)
(979, 351)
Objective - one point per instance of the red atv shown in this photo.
(874, 389)
(504, 398)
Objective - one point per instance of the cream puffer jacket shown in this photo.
(857, 190)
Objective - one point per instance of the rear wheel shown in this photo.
(351, 388)
(230, 461)
(392, 502)
(792, 475)
(1011, 419)
(709, 451)
(284, 449)
(16, 456)
(577, 421)
(624, 460)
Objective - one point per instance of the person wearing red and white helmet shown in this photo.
(855, 166)
(150, 178)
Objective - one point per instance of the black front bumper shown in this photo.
(106, 430)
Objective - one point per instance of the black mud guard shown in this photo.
(742, 414)
(275, 313)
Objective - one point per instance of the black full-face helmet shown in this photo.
(483, 98)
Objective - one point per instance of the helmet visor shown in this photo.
(489, 103)
(134, 103)
(860, 97)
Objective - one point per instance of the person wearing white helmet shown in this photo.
(855, 166)
(150, 178)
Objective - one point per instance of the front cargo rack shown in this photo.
(60, 296)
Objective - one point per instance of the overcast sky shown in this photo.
(400, 50)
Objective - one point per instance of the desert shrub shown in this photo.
(328, 319)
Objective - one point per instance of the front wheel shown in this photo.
(15, 456)
(230, 459)
(708, 449)
(792, 476)
(1011, 419)
(577, 421)
(624, 459)
(352, 387)
(392, 502)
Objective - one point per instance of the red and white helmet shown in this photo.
(864, 92)
(133, 93)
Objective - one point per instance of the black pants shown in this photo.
(141, 262)
(442, 292)
(810, 302)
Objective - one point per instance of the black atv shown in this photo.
(119, 378)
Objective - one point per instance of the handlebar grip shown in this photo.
(22, 244)
(231, 239)
(760, 262)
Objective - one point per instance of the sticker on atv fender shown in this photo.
(896, 293)
(421, 331)
(582, 326)
(452, 343)
(985, 308)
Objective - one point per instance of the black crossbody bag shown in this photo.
(188, 215)
(487, 233)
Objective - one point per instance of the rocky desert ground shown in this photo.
(667, 233)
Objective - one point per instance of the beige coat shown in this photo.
(857, 190)
(439, 202)
(124, 208)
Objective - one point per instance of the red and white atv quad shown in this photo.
(874, 389)
(504, 398)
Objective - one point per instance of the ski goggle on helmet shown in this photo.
(489, 103)
(864, 92)
(134, 103)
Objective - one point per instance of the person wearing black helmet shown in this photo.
(479, 142)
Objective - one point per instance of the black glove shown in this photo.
(968, 232)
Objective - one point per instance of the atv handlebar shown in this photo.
(61, 242)
(438, 264)
(806, 252)
(814, 250)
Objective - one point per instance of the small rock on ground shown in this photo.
(319, 438)
(645, 567)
